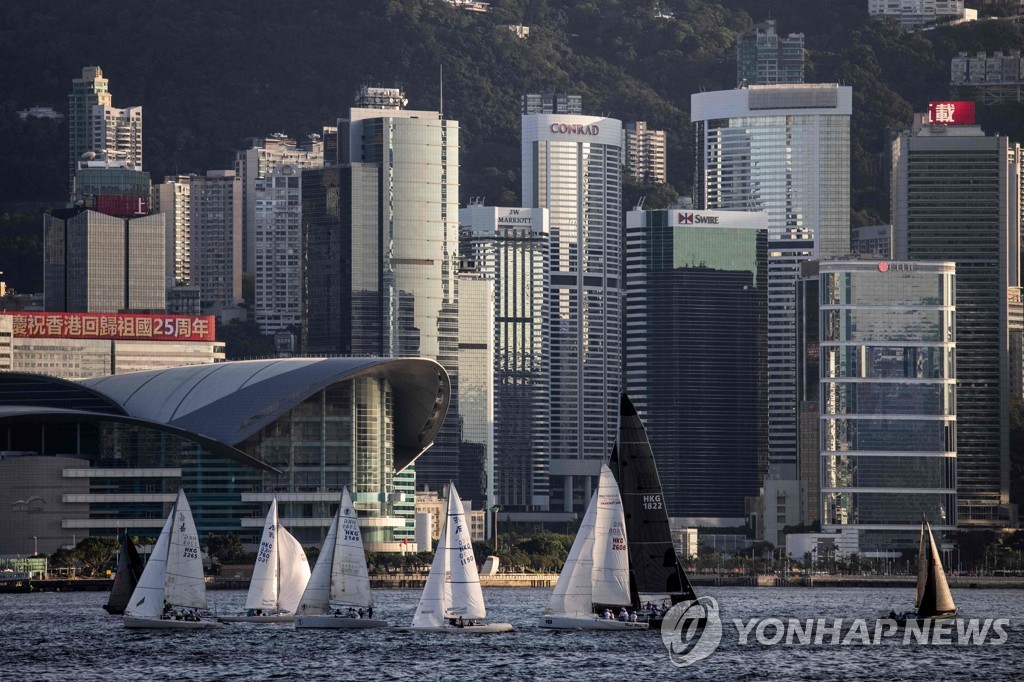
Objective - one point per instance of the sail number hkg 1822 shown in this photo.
(652, 502)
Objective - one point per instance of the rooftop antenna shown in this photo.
(441, 105)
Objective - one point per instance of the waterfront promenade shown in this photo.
(548, 580)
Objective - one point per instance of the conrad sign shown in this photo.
(575, 129)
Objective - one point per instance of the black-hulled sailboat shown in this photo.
(934, 601)
(656, 574)
(129, 569)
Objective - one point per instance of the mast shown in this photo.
(654, 566)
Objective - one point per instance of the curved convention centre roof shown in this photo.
(230, 401)
(23, 415)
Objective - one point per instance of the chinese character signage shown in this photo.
(113, 326)
(951, 113)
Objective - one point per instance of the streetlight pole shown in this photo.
(35, 551)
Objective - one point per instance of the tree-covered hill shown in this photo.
(211, 74)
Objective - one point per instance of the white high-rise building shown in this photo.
(216, 242)
(278, 241)
(117, 134)
(783, 149)
(572, 165)
(254, 166)
(172, 197)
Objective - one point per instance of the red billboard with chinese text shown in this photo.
(951, 113)
(120, 326)
(121, 206)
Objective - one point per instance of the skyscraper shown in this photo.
(645, 153)
(696, 299)
(956, 195)
(216, 242)
(572, 165)
(509, 246)
(889, 406)
(172, 198)
(90, 90)
(394, 264)
(783, 149)
(277, 232)
(94, 125)
(254, 166)
(763, 57)
(102, 263)
(476, 388)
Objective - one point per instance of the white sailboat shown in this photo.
(172, 585)
(596, 573)
(339, 578)
(278, 578)
(452, 600)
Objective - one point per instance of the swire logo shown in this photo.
(691, 218)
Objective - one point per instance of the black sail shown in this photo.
(129, 569)
(654, 567)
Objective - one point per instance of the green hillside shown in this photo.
(211, 74)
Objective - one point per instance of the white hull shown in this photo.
(169, 624)
(487, 629)
(338, 622)
(285, 618)
(587, 623)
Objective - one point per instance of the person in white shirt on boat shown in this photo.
(632, 617)
(623, 615)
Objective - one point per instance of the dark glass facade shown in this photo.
(696, 301)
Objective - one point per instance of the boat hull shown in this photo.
(169, 624)
(288, 618)
(338, 623)
(587, 623)
(489, 628)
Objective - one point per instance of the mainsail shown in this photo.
(340, 573)
(281, 570)
(934, 598)
(453, 585)
(129, 569)
(654, 567)
(174, 572)
(597, 569)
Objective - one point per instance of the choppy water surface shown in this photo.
(68, 636)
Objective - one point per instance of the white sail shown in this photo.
(264, 584)
(293, 570)
(436, 597)
(572, 594)
(350, 581)
(467, 598)
(148, 598)
(316, 599)
(185, 584)
(611, 556)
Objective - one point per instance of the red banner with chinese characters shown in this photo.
(951, 113)
(122, 326)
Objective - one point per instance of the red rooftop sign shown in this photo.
(113, 326)
(951, 113)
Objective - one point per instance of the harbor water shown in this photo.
(68, 636)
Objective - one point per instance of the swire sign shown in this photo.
(113, 326)
(697, 219)
(575, 128)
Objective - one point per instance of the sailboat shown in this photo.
(129, 569)
(339, 577)
(172, 585)
(654, 567)
(596, 574)
(934, 601)
(279, 577)
(452, 600)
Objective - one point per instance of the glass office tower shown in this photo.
(783, 149)
(572, 165)
(888, 400)
(696, 297)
